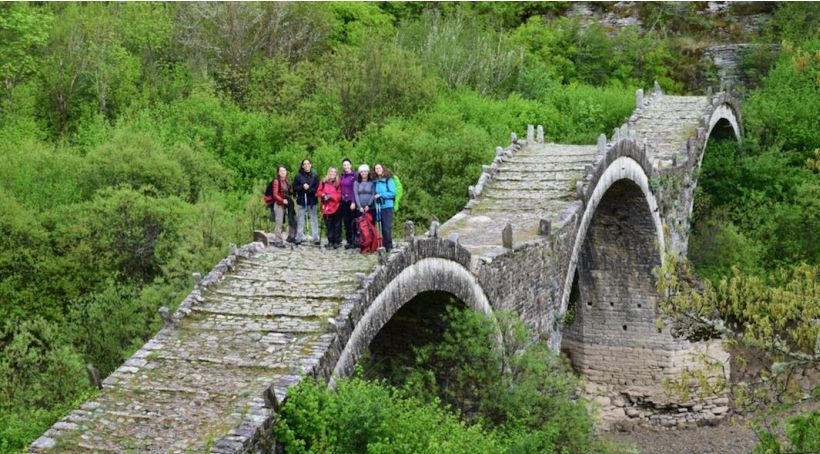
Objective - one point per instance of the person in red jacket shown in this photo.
(330, 193)
(278, 199)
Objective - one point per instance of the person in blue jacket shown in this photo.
(385, 195)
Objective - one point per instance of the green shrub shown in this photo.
(463, 51)
(784, 112)
(367, 417)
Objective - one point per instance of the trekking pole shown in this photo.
(306, 215)
(379, 219)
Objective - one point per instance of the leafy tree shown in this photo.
(24, 29)
(376, 81)
(784, 113)
(463, 51)
(361, 416)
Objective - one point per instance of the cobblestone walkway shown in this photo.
(667, 122)
(535, 183)
(200, 387)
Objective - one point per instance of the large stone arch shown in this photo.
(617, 248)
(624, 165)
(425, 275)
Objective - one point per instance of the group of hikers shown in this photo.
(349, 200)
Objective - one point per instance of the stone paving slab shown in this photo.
(667, 122)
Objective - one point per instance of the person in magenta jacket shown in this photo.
(330, 193)
(348, 205)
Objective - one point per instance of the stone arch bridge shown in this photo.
(547, 227)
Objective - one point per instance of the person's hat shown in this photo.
(364, 168)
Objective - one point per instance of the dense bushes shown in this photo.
(516, 397)
(757, 205)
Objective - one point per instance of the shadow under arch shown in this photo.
(420, 321)
(426, 275)
(724, 123)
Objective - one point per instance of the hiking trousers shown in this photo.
(333, 222)
(314, 223)
(348, 216)
(387, 228)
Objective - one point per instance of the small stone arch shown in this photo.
(427, 274)
(724, 123)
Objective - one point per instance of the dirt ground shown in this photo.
(729, 436)
(724, 438)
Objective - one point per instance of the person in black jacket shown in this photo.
(305, 184)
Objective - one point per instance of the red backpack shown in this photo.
(366, 236)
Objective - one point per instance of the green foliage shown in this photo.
(35, 365)
(566, 52)
(801, 436)
(463, 51)
(794, 22)
(496, 374)
(371, 417)
(516, 397)
(23, 31)
(784, 113)
(376, 81)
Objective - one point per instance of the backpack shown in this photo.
(366, 237)
(399, 192)
(268, 196)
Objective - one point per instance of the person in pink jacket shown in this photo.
(330, 193)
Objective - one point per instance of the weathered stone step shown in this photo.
(545, 195)
(532, 185)
(556, 148)
(179, 375)
(244, 325)
(265, 307)
(549, 160)
(308, 292)
(151, 422)
(537, 170)
(349, 262)
(518, 210)
(296, 277)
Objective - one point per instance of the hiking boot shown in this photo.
(337, 245)
(329, 246)
(317, 243)
(297, 242)
(291, 240)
